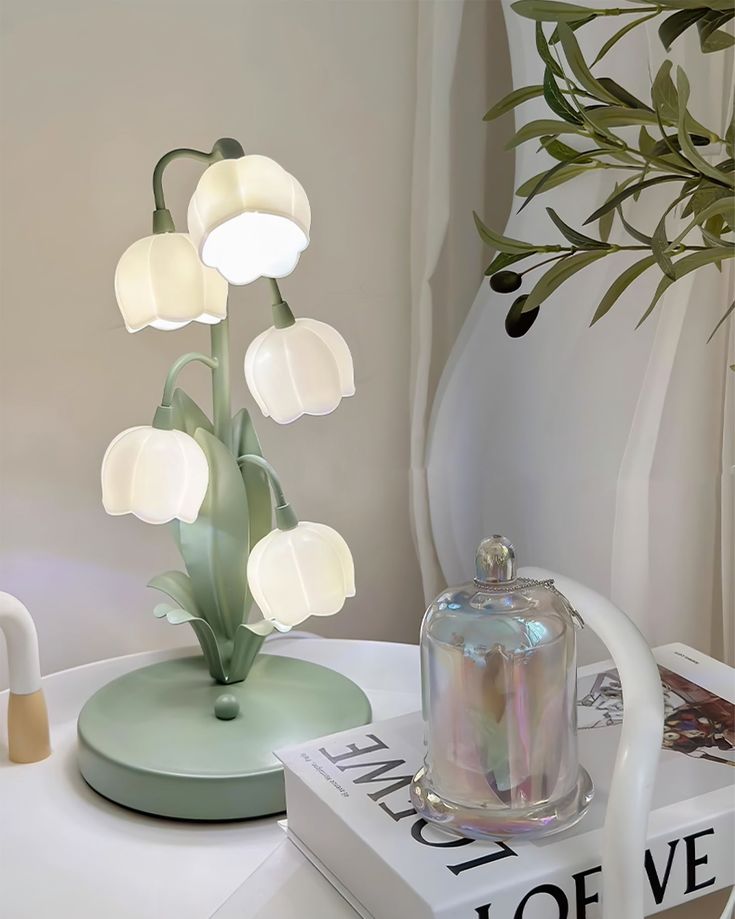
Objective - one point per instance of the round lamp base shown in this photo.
(151, 740)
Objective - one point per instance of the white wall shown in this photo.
(93, 91)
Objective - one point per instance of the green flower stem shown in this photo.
(286, 519)
(220, 335)
(177, 367)
(224, 148)
(282, 315)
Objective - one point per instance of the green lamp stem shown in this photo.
(286, 519)
(223, 149)
(220, 338)
(282, 315)
(177, 367)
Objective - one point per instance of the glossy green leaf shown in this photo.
(629, 192)
(503, 243)
(621, 33)
(673, 26)
(556, 101)
(727, 312)
(503, 259)
(550, 10)
(579, 67)
(215, 546)
(574, 236)
(540, 127)
(620, 284)
(546, 56)
(685, 266)
(509, 102)
(560, 272)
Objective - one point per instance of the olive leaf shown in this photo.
(563, 152)
(659, 245)
(560, 272)
(613, 116)
(509, 102)
(578, 65)
(621, 33)
(711, 37)
(503, 259)
(629, 192)
(682, 85)
(574, 236)
(546, 56)
(504, 243)
(540, 127)
(556, 175)
(620, 284)
(672, 27)
(556, 101)
(622, 94)
(727, 312)
(684, 266)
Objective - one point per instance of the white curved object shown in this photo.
(24, 666)
(629, 802)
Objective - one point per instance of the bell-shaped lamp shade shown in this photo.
(304, 369)
(160, 281)
(156, 475)
(249, 218)
(302, 572)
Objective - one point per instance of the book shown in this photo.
(350, 813)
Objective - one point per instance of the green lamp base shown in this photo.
(151, 740)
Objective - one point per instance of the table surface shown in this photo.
(67, 852)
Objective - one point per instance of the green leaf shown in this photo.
(666, 101)
(729, 310)
(509, 102)
(503, 243)
(684, 266)
(546, 56)
(682, 84)
(244, 441)
(574, 236)
(628, 192)
(632, 231)
(503, 259)
(204, 634)
(563, 152)
(620, 284)
(215, 546)
(560, 272)
(540, 127)
(556, 101)
(669, 144)
(622, 94)
(621, 33)
(576, 24)
(248, 641)
(176, 585)
(605, 225)
(579, 67)
(659, 244)
(646, 143)
(187, 416)
(710, 37)
(557, 175)
(673, 26)
(613, 116)
(550, 10)
(703, 196)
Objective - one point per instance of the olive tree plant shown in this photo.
(595, 123)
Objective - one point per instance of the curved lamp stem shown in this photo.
(286, 519)
(177, 367)
(223, 149)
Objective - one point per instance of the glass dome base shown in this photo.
(501, 823)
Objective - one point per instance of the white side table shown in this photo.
(68, 853)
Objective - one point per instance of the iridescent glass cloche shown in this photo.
(499, 685)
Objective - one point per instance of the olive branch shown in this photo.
(584, 137)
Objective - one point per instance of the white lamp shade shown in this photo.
(160, 281)
(306, 571)
(304, 369)
(155, 475)
(249, 218)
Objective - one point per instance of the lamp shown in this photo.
(156, 739)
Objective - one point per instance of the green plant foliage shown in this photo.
(590, 109)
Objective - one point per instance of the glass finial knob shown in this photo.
(495, 561)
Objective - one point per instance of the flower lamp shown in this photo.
(164, 739)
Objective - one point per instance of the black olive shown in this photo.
(517, 323)
(505, 282)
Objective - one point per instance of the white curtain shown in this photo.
(607, 453)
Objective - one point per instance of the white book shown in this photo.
(350, 813)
